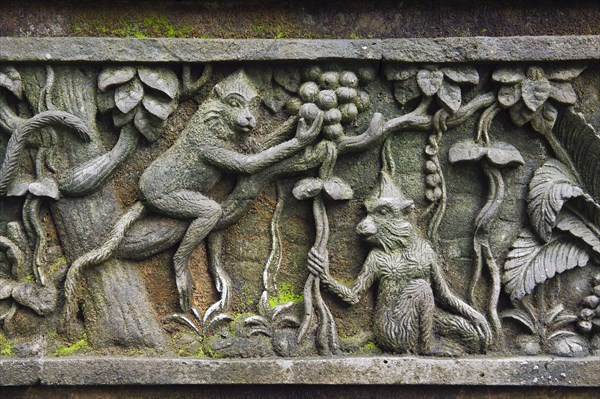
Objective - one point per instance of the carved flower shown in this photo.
(144, 96)
(431, 80)
(526, 93)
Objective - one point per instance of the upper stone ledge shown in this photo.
(434, 50)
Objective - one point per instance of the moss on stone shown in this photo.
(81, 345)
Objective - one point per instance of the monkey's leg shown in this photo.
(407, 324)
(217, 312)
(458, 329)
(185, 204)
(151, 236)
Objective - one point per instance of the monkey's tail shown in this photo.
(96, 257)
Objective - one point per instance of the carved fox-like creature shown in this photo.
(412, 290)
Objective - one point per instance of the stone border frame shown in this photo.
(509, 371)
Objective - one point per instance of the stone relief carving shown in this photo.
(473, 235)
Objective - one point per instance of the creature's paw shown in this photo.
(185, 286)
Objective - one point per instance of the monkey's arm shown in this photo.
(373, 135)
(319, 265)
(233, 161)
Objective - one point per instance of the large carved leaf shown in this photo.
(462, 74)
(450, 96)
(429, 81)
(129, 95)
(161, 79)
(531, 262)
(159, 106)
(574, 225)
(406, 90)
(10, 79)
(551, 186)
(582, 143)
(149, 125)
(111, 76)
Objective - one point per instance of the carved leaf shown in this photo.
(508, 95)
(466, 151)
(105, 101)
(521, 316)
(256, 321)
(563, 92)
(583, 145)
(337, 189)
(160, 106)
(161, 79)
(406, 90)
(45, 187)
(281, 309)
(562, 74)
(531, 262)
(574, 225)
(129, 95)
(10, 79)
(449, 95)
(121, 119)
(462, 74)
(543, 120)
(429, 81)
(307, 188)
(504, 154)
(551, 186)
(508, 75)
(111, 76)
(396, 72)
(535, 92)
(288, 320)
(149, 125)
(288, 77)
(520, 114)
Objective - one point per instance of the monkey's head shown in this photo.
(237, 101)
(388, 223)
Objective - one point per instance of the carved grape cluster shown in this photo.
(589, 317)
(336, 94)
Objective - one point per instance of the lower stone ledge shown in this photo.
(515, 371)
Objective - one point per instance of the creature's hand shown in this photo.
(318, 263)
(307, 135)
(483, 329)
(376, 126)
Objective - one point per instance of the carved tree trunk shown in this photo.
(115, 304)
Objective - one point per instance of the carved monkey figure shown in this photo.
(411, 282)
(178, 183)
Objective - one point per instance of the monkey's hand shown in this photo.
(483, 329)
(306, 135)
(318, 263)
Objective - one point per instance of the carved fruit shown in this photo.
(327, 100)
(349, 79)
(584, 326)
(366, 74)
(433, 180)
(312, 72)
(362, 101)
(329, 80)
(309, 112)
(332, 117)
(333, 132)
(293, 105)
(309, 92)
(346, 94)
(349, 112)
(586, 314)
(430, 167)
(597, 290)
